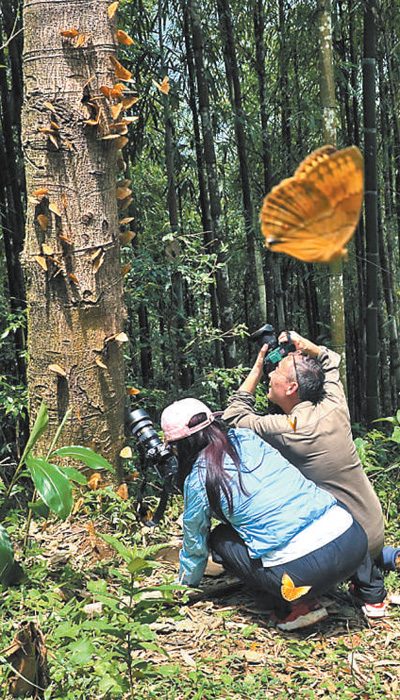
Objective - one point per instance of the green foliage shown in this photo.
(51, 482)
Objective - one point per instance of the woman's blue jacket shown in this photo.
(279, 502)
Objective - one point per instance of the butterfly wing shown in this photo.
(289, 591)
(312, 215)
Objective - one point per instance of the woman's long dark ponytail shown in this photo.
(214, 443)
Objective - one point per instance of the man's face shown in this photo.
(280, 378)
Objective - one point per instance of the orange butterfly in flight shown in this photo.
(312, 215)
(289, 590)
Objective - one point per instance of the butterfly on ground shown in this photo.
(290, 591)
(312, 215)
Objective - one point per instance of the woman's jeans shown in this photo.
(321, 569)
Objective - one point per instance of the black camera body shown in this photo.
(276, 351)
(154, 454)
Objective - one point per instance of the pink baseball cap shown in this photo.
(175, 418)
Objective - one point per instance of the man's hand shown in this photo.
(256, 372)
(301, 344)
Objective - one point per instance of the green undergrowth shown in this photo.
(121, 627)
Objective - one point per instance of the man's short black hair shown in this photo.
(310, 378)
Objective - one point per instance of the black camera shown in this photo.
(154, 454)
(276, 351)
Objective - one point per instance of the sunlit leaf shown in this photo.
(52, 485)
(40, 508)
(126, 452)
(73, 475)
(85, 455)
(46, 250)
(127, 220)
(40, 191)
(40, 425)
(6, 555)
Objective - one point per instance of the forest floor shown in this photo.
(218, 645)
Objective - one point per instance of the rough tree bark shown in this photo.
(71, 255)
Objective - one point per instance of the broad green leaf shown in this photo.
(6, 555)
(398, 417)
(396, 434)
(40, 508)
(389, 419)
(40, 425)
(139, 564)
(73, 474)
(52, 485)
(85, 455)
(361, 445)
(81, 651)
(127, 554)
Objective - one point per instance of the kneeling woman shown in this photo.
(279, 532)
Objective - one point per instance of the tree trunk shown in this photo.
(178, 313)
(203, 194)
(223, 288)
(71, 255)
(372, 407)
(336, 294)
(254, 278)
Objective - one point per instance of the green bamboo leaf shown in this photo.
(6, 555)
(85, 455)
(52, 485)
(40, 425)
(73, 474)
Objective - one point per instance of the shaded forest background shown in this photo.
(242, 111)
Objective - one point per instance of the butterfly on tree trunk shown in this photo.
(312, 215)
